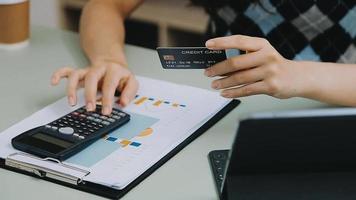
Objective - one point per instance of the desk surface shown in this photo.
(25, 84)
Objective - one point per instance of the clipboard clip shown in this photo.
(29, 163)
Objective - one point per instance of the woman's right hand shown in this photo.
(106, 76)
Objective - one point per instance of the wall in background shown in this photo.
(45, 13)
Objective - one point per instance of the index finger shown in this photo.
(241, 42)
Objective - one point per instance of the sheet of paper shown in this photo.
(163, 115)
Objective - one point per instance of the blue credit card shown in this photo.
(189, 57)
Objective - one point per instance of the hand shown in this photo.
(107, 76)
(261, 71)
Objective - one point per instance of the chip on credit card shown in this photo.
(189, 57)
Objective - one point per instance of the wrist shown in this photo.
(102, 61)
(306, 78)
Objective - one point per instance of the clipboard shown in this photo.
(71, 181)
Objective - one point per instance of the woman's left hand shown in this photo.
(260, 71)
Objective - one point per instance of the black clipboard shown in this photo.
(111, 193)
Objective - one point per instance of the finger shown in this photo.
(122, 83)
(246, 90)
(129, 92)
(73, 81)
(242, 42)
(239, 78)
(59, 74)
(91, 86)
(109, 86)
(236, 63)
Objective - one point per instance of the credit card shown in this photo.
(189, 57)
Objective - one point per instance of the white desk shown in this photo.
(24, 83)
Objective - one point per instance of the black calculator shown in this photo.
(69, 134)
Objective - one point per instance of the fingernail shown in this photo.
(210, 43)
(225, 94)
(90, 106)
(106, 110)
(71, 101)
(123, 102)
(215, 85)
(207, 72)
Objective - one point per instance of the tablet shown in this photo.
(296, 141)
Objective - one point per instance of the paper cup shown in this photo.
(14, 24)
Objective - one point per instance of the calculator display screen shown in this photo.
(52, 140)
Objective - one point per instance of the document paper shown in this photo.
(163, 115)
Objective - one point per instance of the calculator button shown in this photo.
(66, 130)
(75, 113)
(111, 120)
(76, 134)
(98, 120)
(82, 115)
(91, 130)
(48, 126)
(90, 118)
(116, 117)
(104, 117)
(122, 114)
(54, 127)
(81, 137)
(105, 123)
(95, 115)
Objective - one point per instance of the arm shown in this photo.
(102, 38)
(329, 82)
(264, 71)
(102, 30)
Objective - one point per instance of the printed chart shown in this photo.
(151, 109)
(124, 137)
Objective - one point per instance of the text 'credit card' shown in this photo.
(189, 57)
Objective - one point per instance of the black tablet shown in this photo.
(293, 155)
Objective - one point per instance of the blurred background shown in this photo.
(155, 23)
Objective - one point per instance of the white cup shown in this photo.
(14, 24)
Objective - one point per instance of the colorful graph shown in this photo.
(126, 142)
(139, 100)
(124, 137)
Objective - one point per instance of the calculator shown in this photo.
(69, 134)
